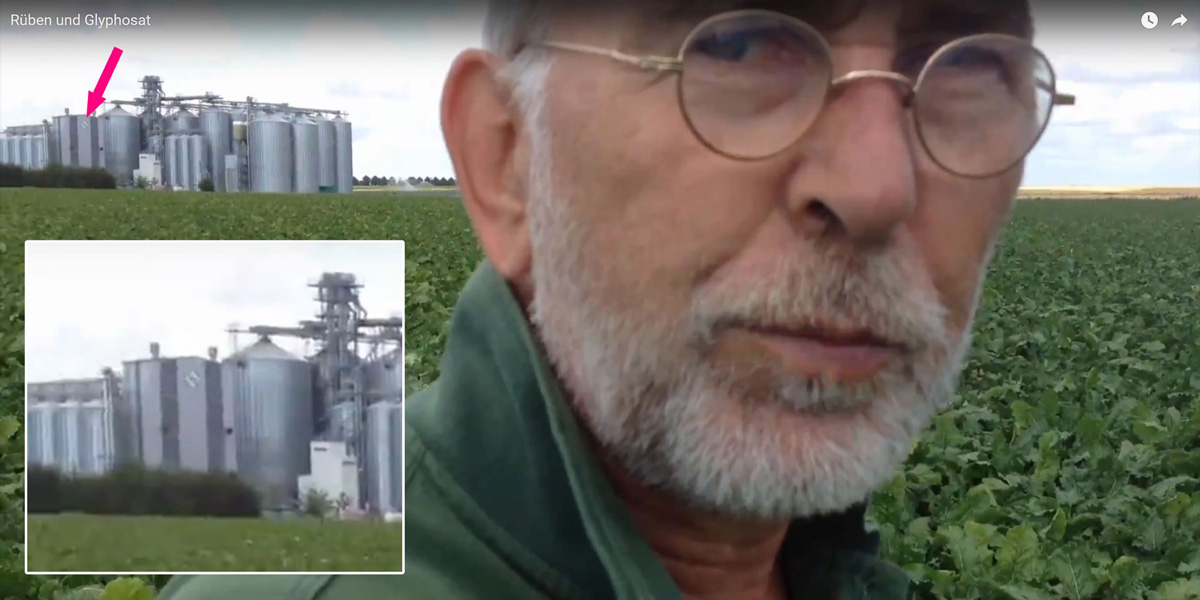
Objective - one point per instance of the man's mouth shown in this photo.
(837, 354)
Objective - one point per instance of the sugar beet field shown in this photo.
(1068, 469)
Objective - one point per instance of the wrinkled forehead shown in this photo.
(916, 18)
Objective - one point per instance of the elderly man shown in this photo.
(732, 262)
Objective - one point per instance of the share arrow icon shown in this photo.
(1180, 21)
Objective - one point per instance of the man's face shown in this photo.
(761, 338)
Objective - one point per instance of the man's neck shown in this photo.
(709, 556)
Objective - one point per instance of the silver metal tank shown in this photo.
(39, 152)
(271, 162)
(89, 146)
(3, 149)
(197, 160)
(306, 150)
(345, 156)
(94, 447)
(171, 165)
(39, 434)
(182, 121)
(385, 378)
(27, 151)
(183, 160)
(383, 464)
(123, 142)
(270, 394)
(67, 448)
(396, 442)
(326, 152)
(217, 128)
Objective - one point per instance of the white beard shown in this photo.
(674, 421)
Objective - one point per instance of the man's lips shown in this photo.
(841, 355)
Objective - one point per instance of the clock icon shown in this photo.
(1149, 20)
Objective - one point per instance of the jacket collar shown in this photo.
(498, 423)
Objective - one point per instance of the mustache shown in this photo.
(882, 299)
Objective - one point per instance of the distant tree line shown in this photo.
(139, 491)
(366, 180)
(56, 176)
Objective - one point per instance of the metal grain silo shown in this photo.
(270, 154)
(197, 160)
(326, 153)
(182, 159)
(3, 149)
(40, 433)
(306, 150)
(385, 377)
(217, 128)
(123, 143)
(397, 454)
(383, 463)
(345, 156)
(89, 146)
(39, 152)
(14, 150)
(94, 442)
(67, 434)
(182, 121)
(270, 393)
(170, 155)
(27, 151)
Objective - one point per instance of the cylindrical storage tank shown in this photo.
(381, 461)
(122, 144)
(27, 151)
(182, 121)
(327, 153)
(39, 152)
(217, 128)
(270, 154)
(89, 142)
(70, 429)
(35, 418)
(270, 394)
(197, 161)
(396, 444)
(183, 159)
(14, 150)
(306, 150)
(345, 157)
(385, 378)
(3, 149)
(91, 437)
(171, 165)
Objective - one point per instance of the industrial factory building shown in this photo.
(179, 141)
(284, 424)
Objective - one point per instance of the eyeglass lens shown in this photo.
(752, 84)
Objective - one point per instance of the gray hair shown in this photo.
(508, 28)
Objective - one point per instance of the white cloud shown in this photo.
(96, 304)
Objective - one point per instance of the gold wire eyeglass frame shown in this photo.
(675, 65)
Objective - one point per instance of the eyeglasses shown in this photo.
(752, 82)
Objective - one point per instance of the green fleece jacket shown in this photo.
(504, 500)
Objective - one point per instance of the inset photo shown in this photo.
(214, 406)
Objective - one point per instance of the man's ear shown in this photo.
(482, 129)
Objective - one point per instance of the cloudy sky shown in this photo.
(1137, 121)
(94, 304)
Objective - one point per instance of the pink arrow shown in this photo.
(96, 97)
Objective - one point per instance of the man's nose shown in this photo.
(855, 175)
